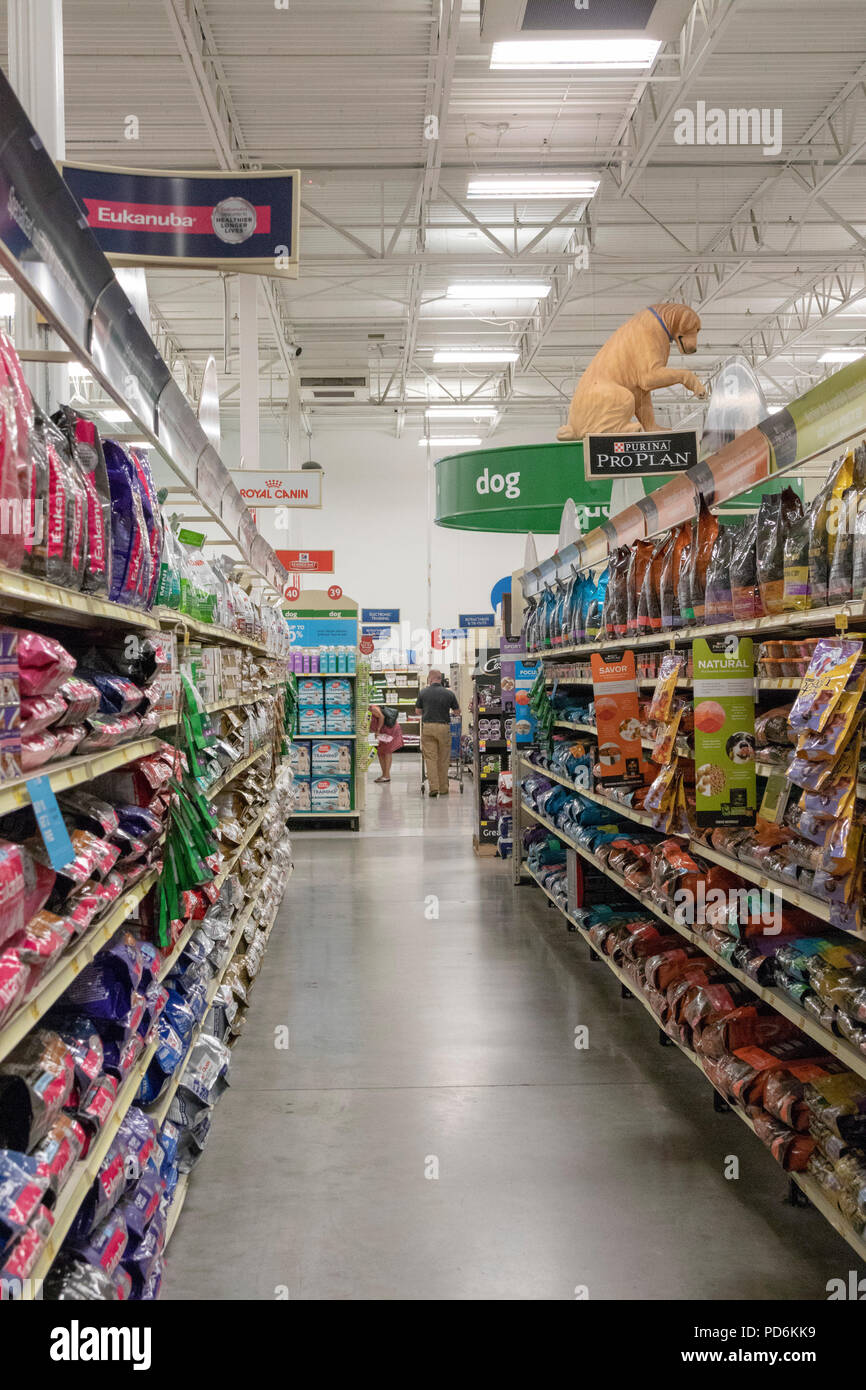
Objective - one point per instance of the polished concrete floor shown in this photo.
(431, 1131)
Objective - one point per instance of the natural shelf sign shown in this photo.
(232, 221)
(639, 455)
(724, 692)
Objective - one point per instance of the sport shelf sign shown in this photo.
(238, 221)
(639, 455)
(262, 487)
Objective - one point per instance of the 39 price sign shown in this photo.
(335, 591)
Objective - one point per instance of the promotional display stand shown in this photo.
(329, 738)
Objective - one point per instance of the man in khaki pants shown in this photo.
(435, 706)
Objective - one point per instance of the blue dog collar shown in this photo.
(671, 337)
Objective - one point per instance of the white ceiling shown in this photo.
(768, 249)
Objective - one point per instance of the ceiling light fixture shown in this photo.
(114, 414)
(7, 306)
(628, 55)
(842, 355)
(457, 441)
(479, 355)
(517, 187)
(498, 289)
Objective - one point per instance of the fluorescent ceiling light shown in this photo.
(631, 55)
(517, 187)
(461, 412)
(479, 355)
(499, 289)
(78, 369)
(461, 441)
(842, 355)
(7, 306)
(114, 414)
(137, 443)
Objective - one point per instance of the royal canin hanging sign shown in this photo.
(260, 487)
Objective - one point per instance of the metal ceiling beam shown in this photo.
(704, 27)
(838, 128)
(443, 57)
(191, 28)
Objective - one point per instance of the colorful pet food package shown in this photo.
(832, 664)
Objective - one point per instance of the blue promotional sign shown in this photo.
(240, 221)
(454, 633)
(323, 632)
(379, 634)
(380, 615)
(476, 620)
(525, 673)
(51, 823)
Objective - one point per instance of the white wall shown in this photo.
(375, 518)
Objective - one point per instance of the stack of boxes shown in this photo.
(323, 766)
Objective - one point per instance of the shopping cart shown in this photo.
(455, 765)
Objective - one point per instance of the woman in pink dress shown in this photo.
(389, 737)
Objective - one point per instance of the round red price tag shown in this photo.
(335, 591)
(292, 593)
(366, 645)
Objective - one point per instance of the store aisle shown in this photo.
(417, 1041)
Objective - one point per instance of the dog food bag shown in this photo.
(43, 664)
(840, 584)
(639, 563)
(36, 1082)
(778, 513)
(616, 596)
(152, 520)
(795, 565)
(668, 581)
(706, 534)
(38, 711)
(684, 580)
(719, 603)
(745, 596)
(595, 606)
(649, 612)
(85, 455)
(15, 417)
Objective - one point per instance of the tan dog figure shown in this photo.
(632, 363)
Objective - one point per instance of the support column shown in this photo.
(36, 75)
(248, 319)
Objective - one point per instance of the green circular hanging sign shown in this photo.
(523, 487)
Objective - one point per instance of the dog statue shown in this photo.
(632, 363)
